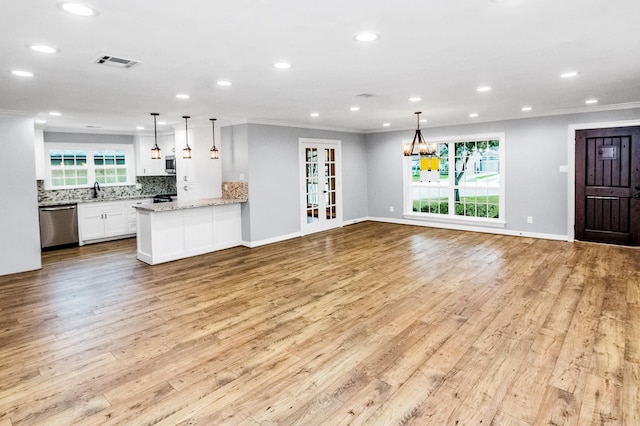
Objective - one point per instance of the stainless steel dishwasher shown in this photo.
(58, 225)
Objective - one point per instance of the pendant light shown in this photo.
(423, 148)
(186, 152)
(155, 151)
(213, 152)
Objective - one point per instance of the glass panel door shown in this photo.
(320, 185)
(311, 185)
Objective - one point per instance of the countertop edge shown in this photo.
(92, 200)
(177, 205)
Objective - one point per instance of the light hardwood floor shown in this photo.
(369, 324)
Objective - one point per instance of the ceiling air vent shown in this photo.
(365, 95)
(117, 62)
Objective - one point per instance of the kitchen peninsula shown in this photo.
(180, 229)
(175, 230)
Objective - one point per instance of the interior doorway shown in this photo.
(320, 185)
(607, 185)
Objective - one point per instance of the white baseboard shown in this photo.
(253, 244)
(459, 227)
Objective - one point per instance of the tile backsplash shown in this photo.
(151, 185)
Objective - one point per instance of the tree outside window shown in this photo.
(468, 181)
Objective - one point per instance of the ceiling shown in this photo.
(438, 51)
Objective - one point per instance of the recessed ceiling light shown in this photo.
(484, 89)
(386, 124)
(182, 96)
(40, 121)
(223, 83)
(162, 123)
(139, 128)
(415, 99)
(569, 74)
(282, 65)
(423, 120)
(42, 48)
(55, 113)
(21, 73)
(526, 108)
(314, 114)
(76, 8)
(366, 37)
(354, 108)
(591, 101)
(473, 115)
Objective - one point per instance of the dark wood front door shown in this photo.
(608, 185)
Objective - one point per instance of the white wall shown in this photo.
(198, 177)
(535, 150)
(19, 223)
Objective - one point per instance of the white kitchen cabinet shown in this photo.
(145, 165)
(101, 221)
(129, 207)
(171, 232)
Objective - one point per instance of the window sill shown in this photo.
(459, 220)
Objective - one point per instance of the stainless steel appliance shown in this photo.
(58, 225)
(170, 164)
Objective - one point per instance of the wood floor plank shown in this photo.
(519, 401)
(601, 402)
(373, 323)
(631, 394)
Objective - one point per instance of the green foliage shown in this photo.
(469, 206)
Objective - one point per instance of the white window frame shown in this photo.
(451, 217)
(89, 148)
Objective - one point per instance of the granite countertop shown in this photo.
(93, 200)
(177, 205)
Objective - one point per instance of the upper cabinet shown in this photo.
(145, 165)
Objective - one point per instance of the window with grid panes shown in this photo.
(110, 167)
(464, 179)
(68, 168)
(79, 165)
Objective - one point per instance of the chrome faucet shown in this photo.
(96, 188)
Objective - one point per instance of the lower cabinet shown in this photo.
(106, 220)
(129, 208)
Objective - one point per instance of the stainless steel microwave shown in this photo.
(170, 164)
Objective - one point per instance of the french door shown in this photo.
(320, 185)
(608, 185)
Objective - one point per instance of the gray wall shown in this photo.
(20, 228)
(535, 150)
(87, 138)
(268, 157)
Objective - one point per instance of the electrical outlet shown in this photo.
(529, 219)
(391, 209)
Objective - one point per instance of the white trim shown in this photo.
(461, 227)
(336, 144)
(461, 220)
(89, 148)
(407, 181)
(457, 227)
(291, 124)
(253, 244)
(571, 160)
(7, 113)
